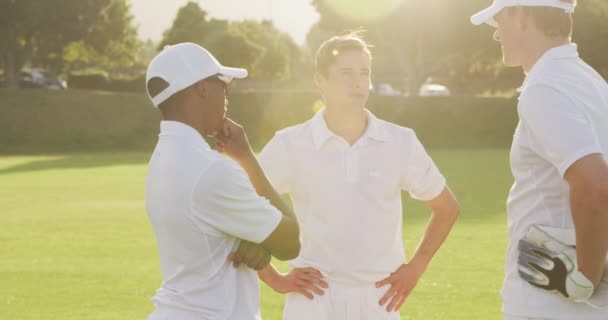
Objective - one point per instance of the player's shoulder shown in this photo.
(393, 130)
(221, 171)
(561, 76)
(292, 133)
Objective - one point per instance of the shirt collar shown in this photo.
(182, 130)
(321, 133)
(567, 51)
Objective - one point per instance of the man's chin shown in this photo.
(510, 62)
(358, 102)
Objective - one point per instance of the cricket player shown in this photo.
(344, 170)
(203, 206)
(558, 206)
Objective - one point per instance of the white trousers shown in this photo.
(172, 314)
(508, 317)
(340, 302)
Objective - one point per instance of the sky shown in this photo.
(294, 17)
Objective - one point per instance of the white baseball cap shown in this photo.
(487, 15)
(184, 64)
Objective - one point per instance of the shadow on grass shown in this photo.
(78, 161)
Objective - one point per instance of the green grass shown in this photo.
(76, 242)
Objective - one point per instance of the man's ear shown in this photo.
(320, 81)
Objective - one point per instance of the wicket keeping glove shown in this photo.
(547, 260)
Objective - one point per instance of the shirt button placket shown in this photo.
(352, 172)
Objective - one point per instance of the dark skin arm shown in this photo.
(283, 243)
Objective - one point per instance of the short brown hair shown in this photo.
(331, 49)
(554, 22)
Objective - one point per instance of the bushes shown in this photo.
(445, 122)
(78, 120)
(453, 122)
(99, 80)
(88, 80)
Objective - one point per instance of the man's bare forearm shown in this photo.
(269, 275)
(591, 222)
(588, 181)
(445, 211)
(436, 232)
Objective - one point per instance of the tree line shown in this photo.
(414, 40)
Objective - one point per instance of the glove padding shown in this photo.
(547, 260)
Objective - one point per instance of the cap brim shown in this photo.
(486, 16)
(233, 73)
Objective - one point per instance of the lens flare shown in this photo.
(318, 105)
(364, 10)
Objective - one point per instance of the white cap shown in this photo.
(487, 15)
(184, 64)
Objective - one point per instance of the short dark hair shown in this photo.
(331, 49)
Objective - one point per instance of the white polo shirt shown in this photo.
(348, 198)
(563, 111)
(200, 204)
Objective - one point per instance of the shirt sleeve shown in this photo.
(559, 129)
(421, 177)
(274, 160)
(225, 199)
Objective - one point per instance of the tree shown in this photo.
(226, 43)
(230, 45)
(418, 39)
(40, 30)
(112, 42)
(190, 25)
(591, 33)
(256, 46)
(414, 40)
(278, 49)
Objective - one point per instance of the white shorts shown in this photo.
(340, 302)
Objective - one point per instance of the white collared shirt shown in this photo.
(200, 204)
(348, 198)
(563, 111)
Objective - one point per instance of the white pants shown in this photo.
(172, 314)
(508, 317)
(340, 302)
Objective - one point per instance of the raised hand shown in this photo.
(233, 141)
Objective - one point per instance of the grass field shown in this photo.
(76, 243)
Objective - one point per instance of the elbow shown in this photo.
(598, 199)
(292, 247)
(290, 252)
(604, 194)
(454, 209)
(455, 212)
(294, 252)
(457, 207)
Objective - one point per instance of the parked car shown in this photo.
(385, 89)
(434, 90)
(40, 80)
